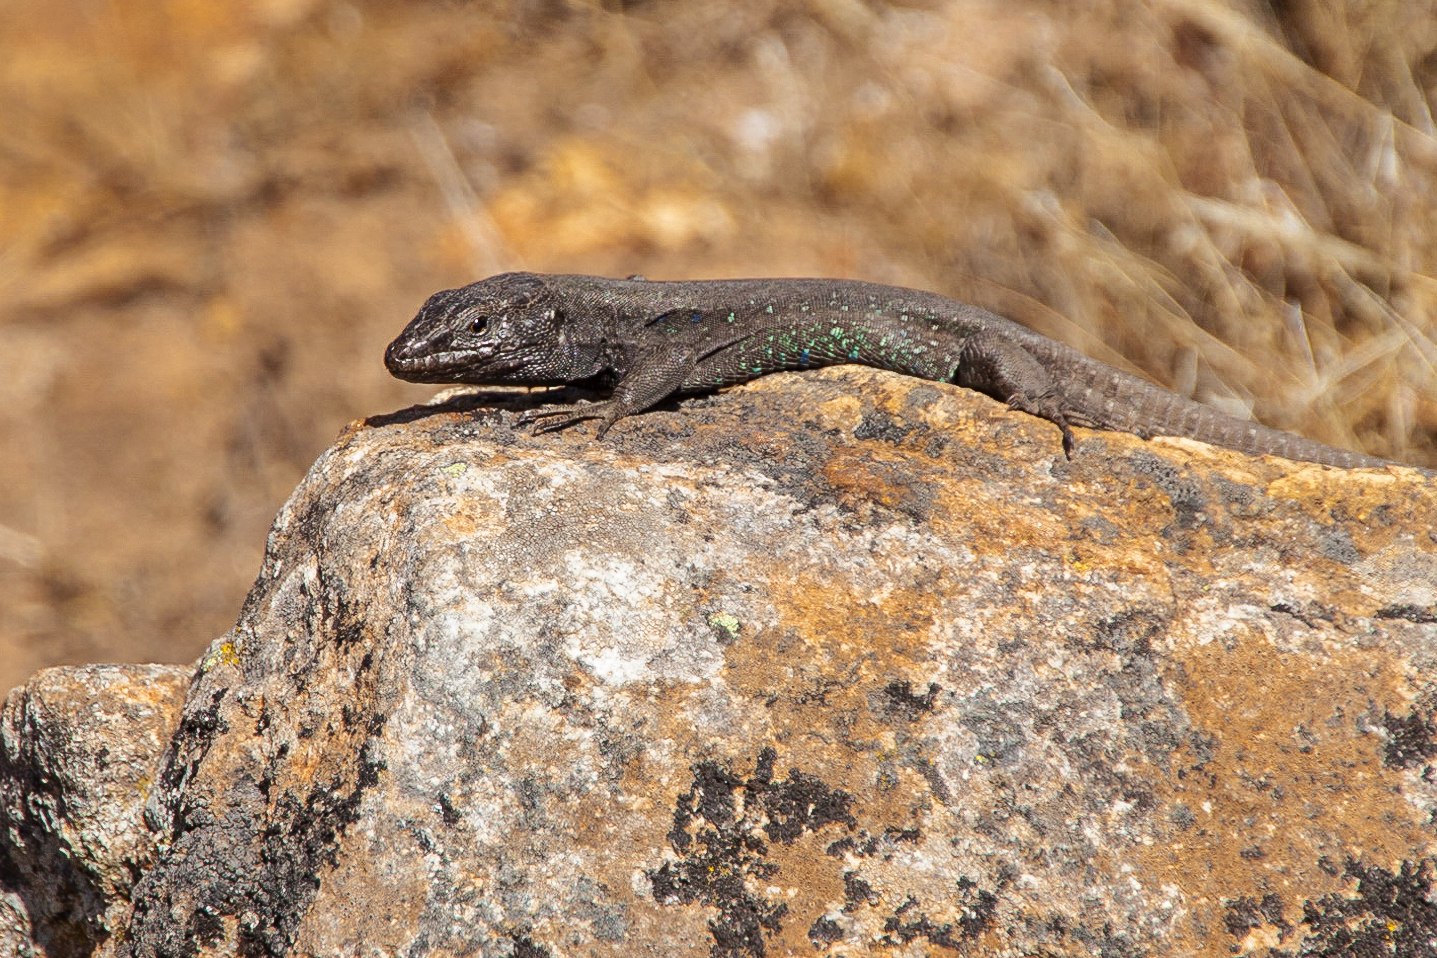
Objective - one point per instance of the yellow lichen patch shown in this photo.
(471, 515)
(833, 651)
(226, 653)
(1291, 784)
(845, 412)
(1364, 500)
(866, 474)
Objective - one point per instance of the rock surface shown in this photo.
(832, 664)
(79, 748)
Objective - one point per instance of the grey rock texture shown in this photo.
(831, 664)
(79, 748)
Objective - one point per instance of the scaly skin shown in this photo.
(654, 339)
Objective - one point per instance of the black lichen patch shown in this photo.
(1188, 502)
(1129, 633)
(864, 845)
(1312, 615)
(294, 856)
(824, 931)
(1105, 942)
(199, 727)
(722, 827)
(524, 947)
(1390, 914)
(254, 856)
(1409, 613)
(1411, 739)
(857, 892)
(875, 425)
(900, 699)
(448, 812)
(1246, 913)
(977, 910)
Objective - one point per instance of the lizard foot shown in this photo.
(1047, 407)
(562, 417)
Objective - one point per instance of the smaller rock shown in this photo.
(78, 752)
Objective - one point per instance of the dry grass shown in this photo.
(213, 216)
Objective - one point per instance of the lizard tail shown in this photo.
(1108, 398)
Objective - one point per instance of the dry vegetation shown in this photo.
(212, 217)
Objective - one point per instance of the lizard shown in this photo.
(648, 340)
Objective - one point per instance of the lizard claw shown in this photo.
(531, 416)
(1047, 407)
(562, 417)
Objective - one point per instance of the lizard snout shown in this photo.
(410, 354)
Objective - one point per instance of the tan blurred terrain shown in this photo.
(214, 216)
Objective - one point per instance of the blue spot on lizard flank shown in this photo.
(803, 357)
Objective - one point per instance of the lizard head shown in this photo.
(505, 330)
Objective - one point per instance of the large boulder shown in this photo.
(839, 663)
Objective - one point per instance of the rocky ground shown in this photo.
(832, 664)
(212, 218)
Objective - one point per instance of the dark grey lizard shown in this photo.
(649, 340)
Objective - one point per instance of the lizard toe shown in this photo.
(1048, 407)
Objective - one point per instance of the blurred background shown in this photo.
(213, 216)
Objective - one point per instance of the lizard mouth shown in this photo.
(449, 367)
(403, 360)
(421, 362)
(427, 359)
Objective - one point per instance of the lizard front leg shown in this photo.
(657, 375)
(999, 367)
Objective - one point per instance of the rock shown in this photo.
(834, 663)
(79, 748)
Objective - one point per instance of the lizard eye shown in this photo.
(478, 324)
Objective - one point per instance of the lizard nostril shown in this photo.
(394, 354)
